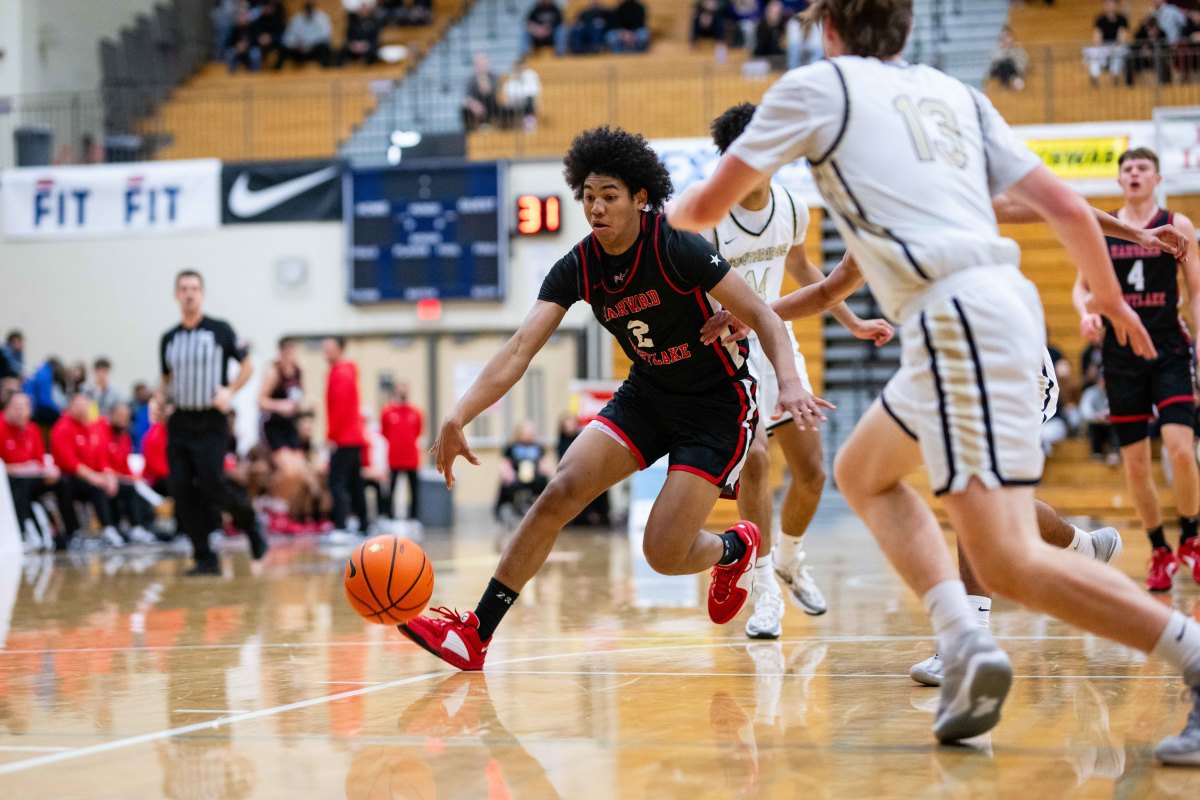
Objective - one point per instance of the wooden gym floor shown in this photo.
(120, 679)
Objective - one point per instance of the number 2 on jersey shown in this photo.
(1137, 276)
(639, 329)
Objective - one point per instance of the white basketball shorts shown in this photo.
(970, 386)
(768, 384)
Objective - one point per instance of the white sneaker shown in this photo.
(802, 588)
(975, 681)
(111, 537)
(1106, 544)
(766, 621)
(142, 536)
(928, 672)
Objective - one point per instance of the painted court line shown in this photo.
(889, 676)
(210, 711)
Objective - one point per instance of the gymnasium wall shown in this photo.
(53, 45)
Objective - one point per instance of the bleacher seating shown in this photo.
(297, 113)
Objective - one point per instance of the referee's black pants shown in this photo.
(347, 487)
(196, 443)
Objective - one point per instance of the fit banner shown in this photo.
(281, 191)
(110, 199)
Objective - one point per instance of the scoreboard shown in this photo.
(426, 231)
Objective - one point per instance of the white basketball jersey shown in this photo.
(907, 160)
(756, 243)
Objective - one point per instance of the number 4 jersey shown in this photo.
(1149, 280)
(653, 299)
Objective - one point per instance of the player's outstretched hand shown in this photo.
(450, 444)
(725, 327)
(1127, 326)
(879, 331)
(804, 407)
(1167, 238)
(1091, 327)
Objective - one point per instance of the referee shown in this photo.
(195, 357)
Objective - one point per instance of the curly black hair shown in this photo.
(618, 154)
(729, 126)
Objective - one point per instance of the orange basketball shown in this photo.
(389, 580)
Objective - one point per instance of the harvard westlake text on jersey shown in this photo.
(653, 299)
(1149, 280)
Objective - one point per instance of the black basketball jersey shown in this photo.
(653, 299)
(1150, 283)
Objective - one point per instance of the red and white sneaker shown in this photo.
(731, 583)
(1163, 567)
(454, 639)
(1189, 556)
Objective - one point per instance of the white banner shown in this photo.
(141, 198)
(689, 160)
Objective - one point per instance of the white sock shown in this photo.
(949, 612)
(1179, 646)
(981, 609)
(788, 547)
(1082, 543)
(764, 573)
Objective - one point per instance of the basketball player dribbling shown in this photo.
(909, 175)
(1163, 389)
(649, 286)
(762, 238)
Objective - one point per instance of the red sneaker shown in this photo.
(1189, 556)
(454, 639)
(1162, 568)
(731, 582)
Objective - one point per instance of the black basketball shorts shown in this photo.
(706, 434)
(1140, 390)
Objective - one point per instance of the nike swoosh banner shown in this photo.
(281, 191)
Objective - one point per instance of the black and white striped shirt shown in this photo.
(197, 361)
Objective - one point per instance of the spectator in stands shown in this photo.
(708, 22)
(768, 36)
(480, 103)
(1009, 62)
(743, 17)
(70, 444)
(269, 28)
(1149, 51)
(223, 16)
(362, 36)
(520, 95)
(23, 454)
(544, 28)
(77, 378)
(1093, 410)
(307, 38)
(1187, 52)
(100, 389)
(112, 445)
(803, 46)
(241, 45)
(524, 467)
(1092, 361)
(12, 354)
(47, 387)
(1171, 20)
(627, 31)
(407, 12)
(154, 449)
(591, 26)
(345, 435)
(1110, 39)
(139, 407)
(401, 424)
